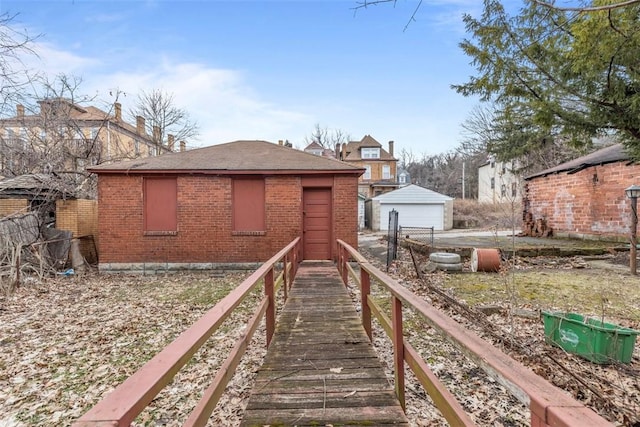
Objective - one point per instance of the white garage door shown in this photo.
(413, 215)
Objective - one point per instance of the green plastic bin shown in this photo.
(597, 341)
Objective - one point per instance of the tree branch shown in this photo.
(587, 9)
(366, 3)
(413, 16)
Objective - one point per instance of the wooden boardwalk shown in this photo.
(321, 368)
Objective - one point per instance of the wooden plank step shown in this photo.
(320, 368)
(323, 399)
(337, 348)
(321, 383)
(319, 364)
(270, 375)
(364, 416)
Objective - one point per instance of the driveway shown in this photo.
(463, 241)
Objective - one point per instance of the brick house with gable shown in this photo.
(379, 164)
(584, 197)
(238, 202)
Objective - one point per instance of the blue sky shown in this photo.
(269, 69)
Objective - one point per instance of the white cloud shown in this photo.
(55, 61)
(223, 103)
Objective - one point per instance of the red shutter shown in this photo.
(248, 205)
(160, 204)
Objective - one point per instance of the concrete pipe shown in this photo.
(487, 260)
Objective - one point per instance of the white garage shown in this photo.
(417, 207)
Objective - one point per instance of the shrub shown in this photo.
(473, 214)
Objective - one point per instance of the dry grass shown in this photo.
(590, 291)
(488, 215)
(597, 288)
(67, 342)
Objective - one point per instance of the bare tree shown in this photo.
(406, 158)
(163, 117)
(60, 132)
(44, 137)
(444, 172)
(487, 132)
(478, 130)
(15, 77)
(327, 138)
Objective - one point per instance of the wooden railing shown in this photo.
(549, 405)
(130, 398)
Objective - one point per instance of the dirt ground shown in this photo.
(67, 341)
(505, 308)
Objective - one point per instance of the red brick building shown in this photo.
(238, 202)
(584, 197)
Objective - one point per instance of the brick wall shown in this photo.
(11, 206)
(376, 168)
(345, 209)
(205, 232)
(590, 202)
(80, 216)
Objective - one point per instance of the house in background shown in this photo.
(63, 135)
(238, 202)
(404, 177)
(379, 165)
(319, 150)
(416, 206)
(585, 196)
(498, 182)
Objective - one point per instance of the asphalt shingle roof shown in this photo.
(33, 184)
(232, 156)
(353, 149)
(413, 194)
(610, 154)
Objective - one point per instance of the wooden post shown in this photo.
(345, 270)
(299, 255)
(271, 309)
(365, 290)
(285, 279)
(296, 260)
(398, 348)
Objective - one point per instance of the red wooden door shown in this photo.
(316, 240)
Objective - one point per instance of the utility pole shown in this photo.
(463, 167)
